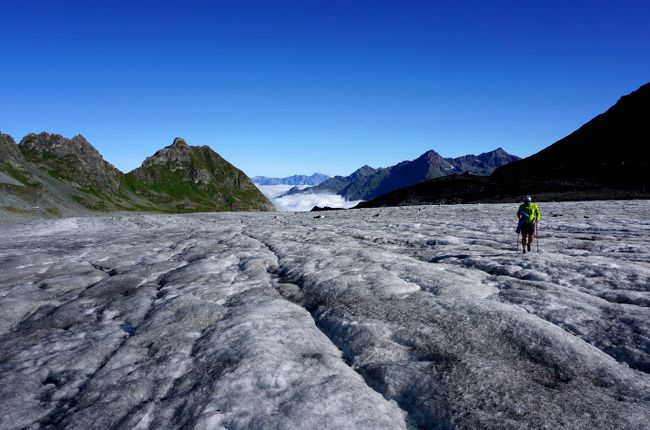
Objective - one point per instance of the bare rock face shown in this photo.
(72, 160)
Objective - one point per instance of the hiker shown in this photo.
(528, 214)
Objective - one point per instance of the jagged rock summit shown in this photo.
(48, 175)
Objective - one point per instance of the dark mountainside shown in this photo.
(312, 180)
(367, 183)
(607, 158)
(48, 175)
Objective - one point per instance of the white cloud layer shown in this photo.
(303, 202)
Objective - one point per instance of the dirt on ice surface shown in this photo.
(415, 317)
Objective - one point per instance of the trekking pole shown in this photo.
(537, 235)
(517, 242)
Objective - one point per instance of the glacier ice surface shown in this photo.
(411, 317)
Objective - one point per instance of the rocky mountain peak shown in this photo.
(436, 163)
(496, 158)
(499, 152)
(175, 155)
(74, 160)
(199, 176)
(179, 142)
(364, 171)
(6, 139)
(430, 155)
(44, 144)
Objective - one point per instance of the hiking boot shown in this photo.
(528, 247)
(524, 251)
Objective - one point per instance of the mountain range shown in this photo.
(367, 182)
(48, 175)
(312, 180)
(606, 158)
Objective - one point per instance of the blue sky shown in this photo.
(286, 87)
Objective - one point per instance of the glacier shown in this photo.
(391, 318)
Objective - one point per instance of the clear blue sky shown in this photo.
(285, 87)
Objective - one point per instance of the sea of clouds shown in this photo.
(302, 202)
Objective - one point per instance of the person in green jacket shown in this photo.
(528, 214)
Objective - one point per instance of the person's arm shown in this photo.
(538, 214)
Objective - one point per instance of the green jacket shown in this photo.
(529, 212)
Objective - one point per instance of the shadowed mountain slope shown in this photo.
(612, 146)
(607, 158)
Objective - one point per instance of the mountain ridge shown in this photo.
(367, 182)
(315, 179)
(48, 175)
